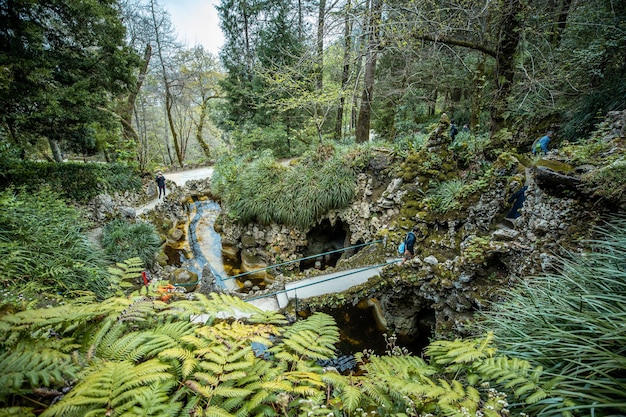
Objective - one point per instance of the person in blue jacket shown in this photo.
(409, 245)
(542, 143)
(517, 198)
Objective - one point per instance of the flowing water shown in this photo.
(206, 243)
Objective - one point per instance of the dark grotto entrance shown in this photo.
(322, 239)
(361, 328)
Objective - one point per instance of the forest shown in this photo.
(96, 96)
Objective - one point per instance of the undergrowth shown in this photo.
(262, 190)
(571, 323)
(43, 248)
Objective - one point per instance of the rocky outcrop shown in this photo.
(465, 258)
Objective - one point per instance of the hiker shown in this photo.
(466, 128)
(542, 143)
(453, 129)
(517, 198)
(160, 180)
(409, 245)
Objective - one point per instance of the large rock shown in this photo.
(185, 279)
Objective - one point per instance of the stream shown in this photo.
(206, 243)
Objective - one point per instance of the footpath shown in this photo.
(179, 178)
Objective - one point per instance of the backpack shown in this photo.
(402, 245)
(401, 248)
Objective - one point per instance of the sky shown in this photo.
(196, 22)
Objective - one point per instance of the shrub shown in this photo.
(265, 191)
(124, 240)
(43, 248)
(72, 180)
(445, 196)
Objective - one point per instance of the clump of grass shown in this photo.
(265, 191)
(42, 246)
(607, 182)
(444, 196)
(571, 323)
(125, 240)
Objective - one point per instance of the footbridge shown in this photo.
(319, 285)
(333, 282)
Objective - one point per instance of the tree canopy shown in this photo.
(62, 62)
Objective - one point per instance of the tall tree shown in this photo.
(239, 20)
(373, 45)
(345, 72)
(62, 62)
(164, 45)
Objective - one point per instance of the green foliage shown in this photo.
(266, 192)
(445, 196)
(476, 249)
(469, 147)
(608, 182)
(252, 140)
(74, 181)
(139, 355)
(128, 273)
(42, 243)
(122, 239)
(62, 63)
(571, 324)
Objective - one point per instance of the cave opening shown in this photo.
(322, 239)
(360, 329)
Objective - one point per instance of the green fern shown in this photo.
(157, 401)
(111, 389)
(28, 365)
(128, 273)
(313, 338)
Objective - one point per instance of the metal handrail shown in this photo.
(302, 259)
(356, 271)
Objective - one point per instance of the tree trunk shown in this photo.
(477, 93)
(508, 40)
(432, 102)
(56, 150)
(200, 127)
(365, 111)
(320, 45)
(561, 22)
(126, 112)
(347, 41)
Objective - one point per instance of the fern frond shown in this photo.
(126, 273)
(157, 400)
(28, 365)
(259, 397)
(267, 317)
(376, 393)
(314, 338)
(110, 385)
(445, 352)
(187, 361)
(214, 411)
(230, 392)
(350, 397)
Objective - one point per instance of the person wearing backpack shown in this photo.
(541, 144)
(409, 245)
(453, 130)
